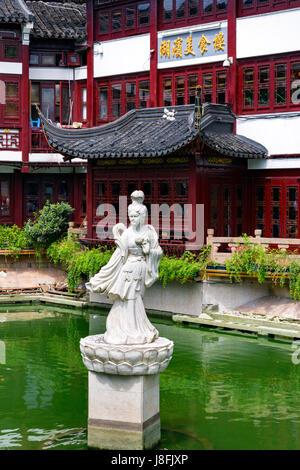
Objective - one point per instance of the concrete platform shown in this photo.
(24, 277)
(272, 306)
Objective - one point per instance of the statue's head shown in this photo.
(137, 211)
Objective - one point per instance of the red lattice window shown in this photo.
(270, 85)
(180, 89)
(184, 12)
(11, 110)
(254, 7)
(116, 99)
(4, 197)
(133, 18)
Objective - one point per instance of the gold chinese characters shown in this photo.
(176, 49)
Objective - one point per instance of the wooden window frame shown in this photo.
(6, 217)
(4, 42)
(272, 106)
(140, 176)
(41, 182)
(44, 84)
(109, 82)
(283, 183)
(198, 71)
(11, 120)
(81, 103)
(256, 7)
(124, 31)
(54, 53)
(186, 20)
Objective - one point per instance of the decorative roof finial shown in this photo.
(198, 108)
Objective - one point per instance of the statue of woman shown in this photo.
(132, 267)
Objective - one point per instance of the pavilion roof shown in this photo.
(51, 19)
(58, 20)
(151, 132)
(14, 11)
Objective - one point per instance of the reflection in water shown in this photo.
(38, 388)
(240, 393)
(220, 391)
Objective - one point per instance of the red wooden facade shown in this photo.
(236, 199)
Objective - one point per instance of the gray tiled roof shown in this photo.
(14, 11)
(146, 133)
(65, 20)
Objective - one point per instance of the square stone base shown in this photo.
(115, 438)
(123, 411)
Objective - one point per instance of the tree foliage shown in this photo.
(50, 224)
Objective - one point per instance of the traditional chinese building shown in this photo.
(153, 54)
(241, 52)
(174, 158)
(42, 60)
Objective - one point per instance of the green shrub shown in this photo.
(50, 224)
(81, 265)
(86, 264)
(63, 251)
(255, 261)
(185, 268)
(13, 238)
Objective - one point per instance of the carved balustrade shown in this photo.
(230, 245)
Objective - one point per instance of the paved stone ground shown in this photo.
(24, 277)
(272, 306)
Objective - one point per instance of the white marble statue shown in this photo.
(132, 267)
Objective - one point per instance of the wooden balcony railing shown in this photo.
(39, 142)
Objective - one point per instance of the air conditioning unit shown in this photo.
(73, 59)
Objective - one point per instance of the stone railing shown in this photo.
(80, 232)
(229, 245)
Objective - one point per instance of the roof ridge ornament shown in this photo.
(169, 115)
(198, 113)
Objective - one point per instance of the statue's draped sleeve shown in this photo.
(109, 274)
(153, 258)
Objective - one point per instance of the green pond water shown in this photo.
(220, 391)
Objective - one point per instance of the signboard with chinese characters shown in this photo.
(192, 45)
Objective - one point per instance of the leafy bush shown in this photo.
(185, 268)
(13, 238)
(50, 225)
(86, 264)
(81, 265)
(63, 251)
(277, 265)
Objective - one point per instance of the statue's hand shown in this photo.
(139, 240)
(146, 246)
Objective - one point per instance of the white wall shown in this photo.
(51, 158)
(81, 73)
(274, 164)
(50, 73)
(269, 33)
(9, 156)
(279, 135)
(120, 56)
(11, 67)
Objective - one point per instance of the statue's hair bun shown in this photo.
(137, 197)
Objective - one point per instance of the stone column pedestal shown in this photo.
(124, 392)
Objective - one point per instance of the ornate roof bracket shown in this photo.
(198, 109)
